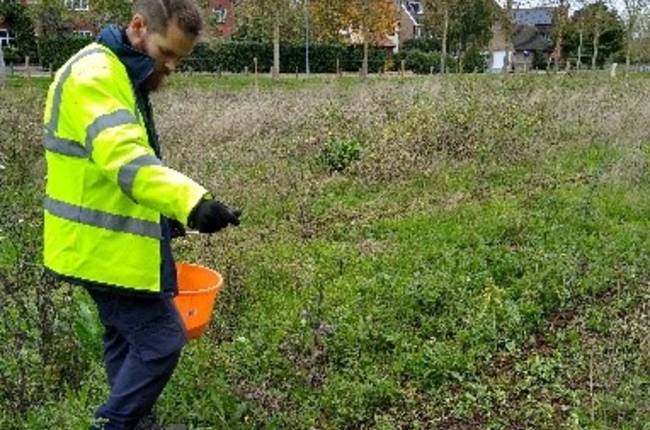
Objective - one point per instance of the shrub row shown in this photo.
(55, 51)
(237, 56)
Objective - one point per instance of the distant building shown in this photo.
(7, 35)
(81, 24)
(532, 30)
(532, 35)
(409, 26)
(221, 18)
(499, 48)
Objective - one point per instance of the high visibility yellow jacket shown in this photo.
(106, 189)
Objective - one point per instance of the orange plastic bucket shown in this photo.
(198, 289)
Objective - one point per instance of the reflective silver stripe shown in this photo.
(64, 146)
(113, 119)
(58, 91)
(127, 173)
(101, 219)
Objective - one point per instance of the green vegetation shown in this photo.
(479, 262)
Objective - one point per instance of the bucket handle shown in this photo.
(196, 292)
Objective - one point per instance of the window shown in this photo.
(6, 37)
(220, 14)
(77, 4)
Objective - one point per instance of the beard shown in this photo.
(155, 81)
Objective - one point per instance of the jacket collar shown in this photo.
(138, 65)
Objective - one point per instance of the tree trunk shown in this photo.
(634, 10)
(364, 67)
(445, 36)
(558, 49)
(3, 69)
(628, 44)
(508, 35)
(579, 63)
(276, 47)
(594, 57)
(307, 71)
(365, 34)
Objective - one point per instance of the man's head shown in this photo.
(166, 30)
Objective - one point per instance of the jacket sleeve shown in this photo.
(117, 144)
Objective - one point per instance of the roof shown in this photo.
(533, 16)
(415, 8)
(528, 38)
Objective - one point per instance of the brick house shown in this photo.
(499, 47)
(409, 26)
(532, 33)
(7, 36)
(532, 30)
(411, 17)
(220, 18)
(81, 23)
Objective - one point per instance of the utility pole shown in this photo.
(307, 37)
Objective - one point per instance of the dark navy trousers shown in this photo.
(143, 338)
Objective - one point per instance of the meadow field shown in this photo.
(460, 252)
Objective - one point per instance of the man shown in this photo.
(111, 206)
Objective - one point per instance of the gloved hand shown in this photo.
(176, 228)
(210, 216)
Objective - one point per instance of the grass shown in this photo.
(482, 265)
(236, 82)
(225, 82)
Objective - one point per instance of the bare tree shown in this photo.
(641, 42)
(560, 24)
(264, 19)
(439, 15)
(634, 9)
(508, 27)
(600, 20)
(460, 24)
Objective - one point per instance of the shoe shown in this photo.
(148, 422)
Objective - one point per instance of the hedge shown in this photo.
(57, 50)
(237, 56)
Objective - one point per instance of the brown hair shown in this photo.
(159, 13)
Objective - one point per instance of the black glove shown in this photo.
(176, 228)
(210, 216)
